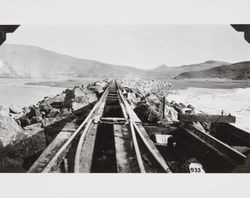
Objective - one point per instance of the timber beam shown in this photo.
(206, 118)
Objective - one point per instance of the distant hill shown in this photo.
(165, 72)
(31, 61)
(35, 62)
(236, 71)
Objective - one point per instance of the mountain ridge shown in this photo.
(161, 72)
(235, 71)
(33, 61)
(36, 62)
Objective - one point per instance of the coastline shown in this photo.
(209, 83)
(68, 83)
(177, 84)
(192, 89)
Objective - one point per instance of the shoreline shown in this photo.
(209, 83)
(68, 83)
(184, 85)
(177, 84)
(47, 119)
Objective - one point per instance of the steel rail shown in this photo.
(136, 146)
(159, 160)
(215, 143)
(65, 146)
(81, 142)
(134, 138)
(79, 147)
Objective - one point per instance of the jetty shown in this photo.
(113, 139)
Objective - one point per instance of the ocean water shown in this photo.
(213, 101)
(14, 91)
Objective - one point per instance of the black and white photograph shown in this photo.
(115, 98)
(125, 99)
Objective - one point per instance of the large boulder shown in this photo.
(78, 92)
(33, 129)
(8, 129)
(33, 143)
(27, 143)
(77, 105)
(33, 115)
(34, 112)
(44, 107)
(69, 94)
(91, 96)
(78, 95)
(35, 120)
(171, 115)
(88, 98)
(26, 110)
(53, 113)
(149, 109)
(126, 89)
(24, 121)
(133, 99)
(16, 109)
(17, 116)
(56, 101)
(137, 93)
(49, 121)
(152, 99)
(98, 87)
(12, 133)
(102, 84)
(148, 113)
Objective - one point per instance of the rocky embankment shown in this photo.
(147, 96)
(24, 132)
(159, 120)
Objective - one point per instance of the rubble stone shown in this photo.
(15, 109)
(8, 128)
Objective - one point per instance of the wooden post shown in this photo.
(164, 105)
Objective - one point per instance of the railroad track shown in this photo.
(110, 139)
(215, 155)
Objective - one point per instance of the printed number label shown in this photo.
(195, 168)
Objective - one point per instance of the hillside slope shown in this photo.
(165, 72)
(35, 62)
(31, 61)
(236, 71)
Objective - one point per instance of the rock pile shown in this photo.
(149, 109)
(8, 127)
(146, 97)
(61, 105)
(22, 129)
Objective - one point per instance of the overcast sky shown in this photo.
(139, 46)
